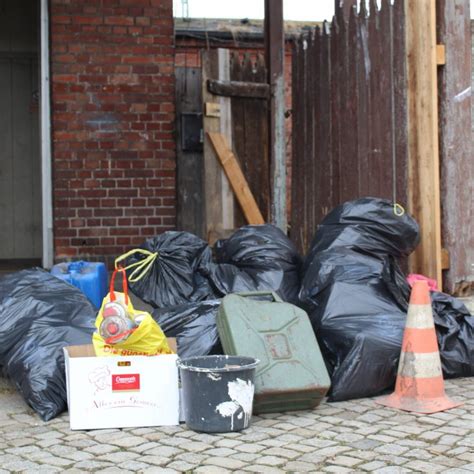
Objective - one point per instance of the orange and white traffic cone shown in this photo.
(420, 384)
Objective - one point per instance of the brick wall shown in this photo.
(113, 124)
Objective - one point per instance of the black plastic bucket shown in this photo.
(217, 392)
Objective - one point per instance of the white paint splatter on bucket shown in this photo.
(241, 393)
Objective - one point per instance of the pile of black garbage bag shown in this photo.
(39, 315)
(255, 257)
(350, 283)
(188, 278)
(357, 299)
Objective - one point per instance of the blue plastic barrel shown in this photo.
(89, 277)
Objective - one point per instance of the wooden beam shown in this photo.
(274, 58)
(236, 178)
(423, 160)
(253, 90)
(456, 145)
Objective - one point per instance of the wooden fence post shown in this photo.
(457, 172)
(423, 155)
(274, 55)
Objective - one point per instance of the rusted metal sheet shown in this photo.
(349, 113)
(456, 153)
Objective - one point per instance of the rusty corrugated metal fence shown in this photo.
(349, 113)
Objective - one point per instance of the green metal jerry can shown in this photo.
(291, 374)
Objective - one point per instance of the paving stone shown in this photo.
(246, 457)
(165, 451)
(127, 442)
(192, 458)
(393, 470)
(345, 461)
(155, 460)
(101, 449)
(338, 469)
(118, 457)
(423, 466)
(211, 470)
(263, 469)
(117, 470)
(180, 466)
(270, 460)
(332, 450)
(372, 466)
(92, 465)
(250, 448)
(353, 436)
(20, 465)
(227, 463)
(133, 465)
(391, 449)
(299, 466)
(158, 470)
(196, 446)
(282, 452)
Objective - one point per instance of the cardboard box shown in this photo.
(120, 392)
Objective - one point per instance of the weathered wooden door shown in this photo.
(20, 160)
(190, 216)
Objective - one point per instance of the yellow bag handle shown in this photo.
(142, 267)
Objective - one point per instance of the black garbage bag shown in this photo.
(357, 298)
(455, 332)
(193, 325)
(255, 258)
(173, 278)
(39, 315)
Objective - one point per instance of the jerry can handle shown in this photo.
(261, 293)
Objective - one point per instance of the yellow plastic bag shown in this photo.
(145, 339)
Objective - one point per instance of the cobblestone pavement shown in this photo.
(355, 436)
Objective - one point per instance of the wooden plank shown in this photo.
(423, 170)
(445, 259)
(239, 129)
(296, 155)
(335, 152)
(250, 132)
(225, 127)
(239, 89)
(324, 143)
(456, 145)
(218, 197)
(440, 54)
(212, 109)
(400, 99)
(385, 103)
(363, 71)
(189, 167)
(236, 178)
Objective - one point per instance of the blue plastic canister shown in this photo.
(89, 277)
